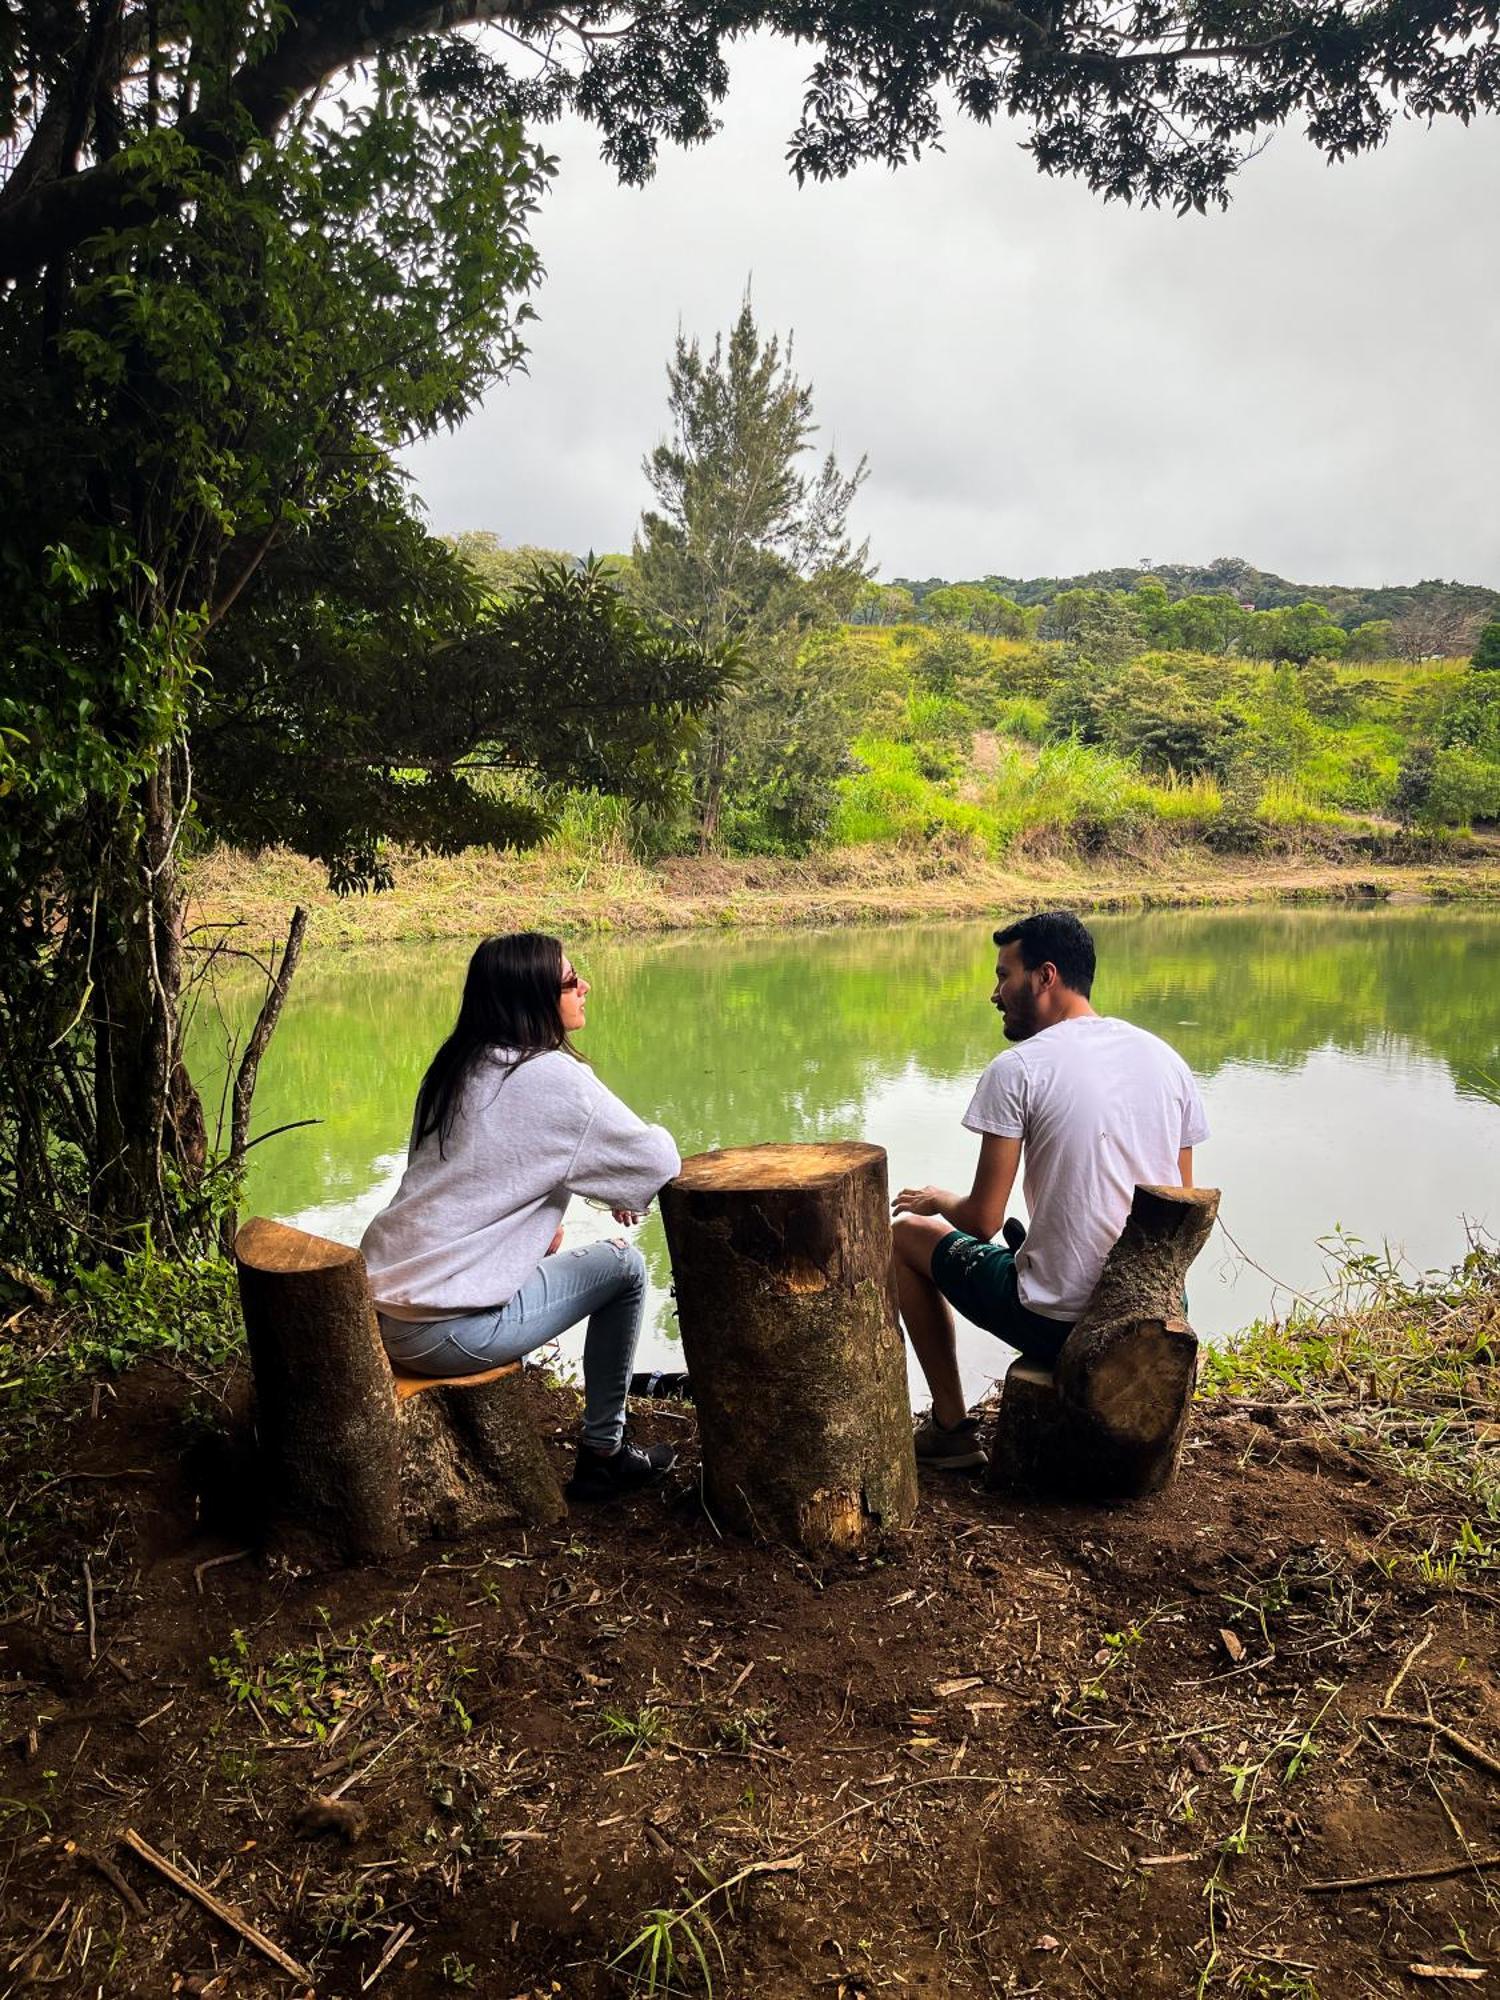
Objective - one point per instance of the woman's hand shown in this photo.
(921, 1201)
(555, 1245)
(626, 1215)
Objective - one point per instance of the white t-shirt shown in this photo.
(1098, 1106)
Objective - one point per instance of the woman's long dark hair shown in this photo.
(512, 1000)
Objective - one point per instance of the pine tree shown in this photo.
(751, 549)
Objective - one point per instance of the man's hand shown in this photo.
(922, 1201)
(626, 1215)
(555, 1245)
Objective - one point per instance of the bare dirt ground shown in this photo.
(1032, 1750)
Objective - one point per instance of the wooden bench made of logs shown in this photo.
(357, 1461)
(1109, 1420)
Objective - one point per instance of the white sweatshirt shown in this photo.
(471, 1222)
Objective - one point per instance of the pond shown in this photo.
(1349, 1060)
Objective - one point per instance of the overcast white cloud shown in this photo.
(1043, 384)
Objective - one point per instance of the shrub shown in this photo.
(1464, 788)
(1412, 798)
(1486, 658)
(1020, 715)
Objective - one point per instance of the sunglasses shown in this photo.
(570, 984)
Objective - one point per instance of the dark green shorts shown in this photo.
(978, 1279)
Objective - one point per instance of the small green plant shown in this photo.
(671, 1943)
(455, 1971)
(668, 1943)
(744, 1731)
(644, 1730)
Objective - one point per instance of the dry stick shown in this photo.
(200, 1570)
(402, 1938)
(1438, 1874)
(1406, 1666)
(370, 1763)
(88, 1599)
(1460, 1744)
(225, 1912)
(255, 1048)
(27, 1951)
(102, 1865)
(867, 1805)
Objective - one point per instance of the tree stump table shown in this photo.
(1109, 1421)
(355, 1462)
(782, 1261)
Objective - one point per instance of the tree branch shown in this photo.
(50, 218)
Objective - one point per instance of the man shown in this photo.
(1095, 1106)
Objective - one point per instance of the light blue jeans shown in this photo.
(605, 1283)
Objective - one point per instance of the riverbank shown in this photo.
(1240, 1738)
(466, 895)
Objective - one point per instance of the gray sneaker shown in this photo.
(953, 1449)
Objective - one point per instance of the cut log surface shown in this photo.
(416, 1385)
(781, 1258)
(350, 1467)
(1111, 1420)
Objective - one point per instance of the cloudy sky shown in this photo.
(1042, 384)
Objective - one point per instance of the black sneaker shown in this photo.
(601, 1475)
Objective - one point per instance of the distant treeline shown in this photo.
(1427, 620)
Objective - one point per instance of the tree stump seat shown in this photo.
(1108, 1421)
(356, 1461)
(781, 1257)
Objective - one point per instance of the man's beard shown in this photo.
(1020, 1024)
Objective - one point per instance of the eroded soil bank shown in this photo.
(1035, 1749)
(470, 894)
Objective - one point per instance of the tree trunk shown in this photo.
(781, 1257)
(348, 1469)
(1109, 1423)
(150, 1143)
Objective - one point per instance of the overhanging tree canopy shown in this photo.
(1151, 101)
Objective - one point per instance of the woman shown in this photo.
(511, 1122)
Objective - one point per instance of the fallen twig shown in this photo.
(102, 1865)
(1406, 1666)
(200, 1570)
(88, 1601)
(403, 1937)
(368, 1765)
(225, 1912)
(1435, 1874)
(36, 1944)
(1460, 1744)
(914, 1784)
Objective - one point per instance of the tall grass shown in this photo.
(1068, 790)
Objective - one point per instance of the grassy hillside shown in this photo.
(1009, 746)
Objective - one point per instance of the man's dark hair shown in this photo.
(1058, 936)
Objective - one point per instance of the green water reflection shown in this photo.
(1350, 1061)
